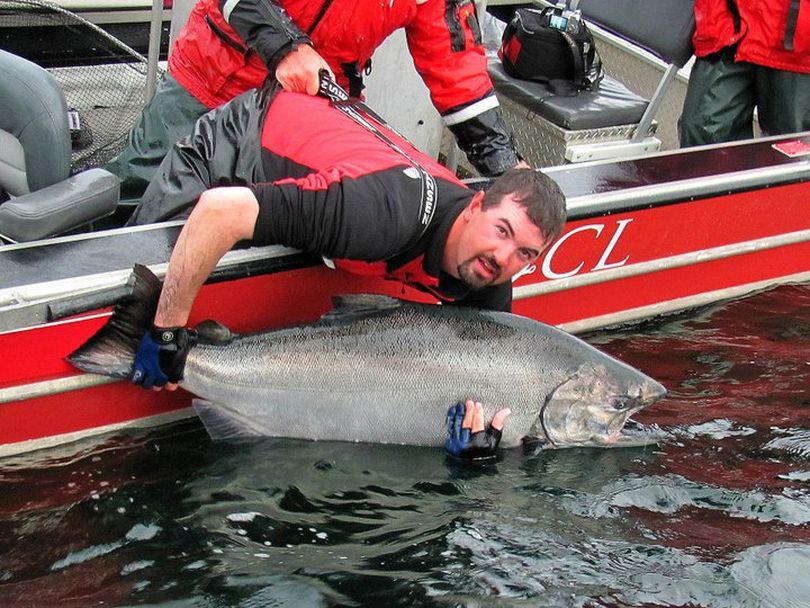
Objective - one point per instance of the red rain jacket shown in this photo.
(771, 33)
(213, 62)
(227, 47)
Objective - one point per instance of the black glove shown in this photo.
(463, 443)
(161, 356)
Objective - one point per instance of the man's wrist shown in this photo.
(165, 335)
(285, 51)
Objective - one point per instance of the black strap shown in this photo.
(352, 108)
(577, 57)
(587, 62)
(735, 15)
(790, 27)
(457, 40)
(355, 78)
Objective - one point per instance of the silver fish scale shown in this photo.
(385, 377)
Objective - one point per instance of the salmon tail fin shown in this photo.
(111, 350)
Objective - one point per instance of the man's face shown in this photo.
(496, 243)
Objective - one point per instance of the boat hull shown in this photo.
(644, 237)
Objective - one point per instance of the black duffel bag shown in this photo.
(552, 46)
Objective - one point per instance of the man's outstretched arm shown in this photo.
(222, 217)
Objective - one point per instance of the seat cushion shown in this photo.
(12, 165)
(76, 201)
(33, 109)
(608, 105)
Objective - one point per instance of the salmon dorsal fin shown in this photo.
(361, 304)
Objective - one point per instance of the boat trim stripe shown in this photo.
(673, 193)
(668, 263)
(53, 387)
(678, 304)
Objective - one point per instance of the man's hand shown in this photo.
(466, 437)
(298, 71)
(161, 357)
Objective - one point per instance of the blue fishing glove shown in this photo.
(462, 443)
(161, 356)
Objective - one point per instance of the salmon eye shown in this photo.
(622, 403)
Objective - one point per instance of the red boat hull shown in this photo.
(627, 260)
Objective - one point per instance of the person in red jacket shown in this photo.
(228, 46)
(750, 54)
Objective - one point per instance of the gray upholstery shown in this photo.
(73, 202)
(12, 165)
(35, 159)
(609, 105)
(35, 113)
(663, 27)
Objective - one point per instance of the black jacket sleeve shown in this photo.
(370, 218)
(488, 142)
(265, 27)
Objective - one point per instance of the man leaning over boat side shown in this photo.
(750, 54)
(227, 47)
(299, 171)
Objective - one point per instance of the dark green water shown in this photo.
(717, 515)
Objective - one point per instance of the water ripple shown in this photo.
(591, 572)
(672, 493)
(794, 441)
(775, 571)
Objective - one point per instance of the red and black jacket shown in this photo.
(774, 33)
(326, 185)
(227, 47)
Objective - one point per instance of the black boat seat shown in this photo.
(35, 156)
(661, 27)
(609, 105)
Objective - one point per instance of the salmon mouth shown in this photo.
(635, 435)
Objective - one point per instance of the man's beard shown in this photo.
(469, 275)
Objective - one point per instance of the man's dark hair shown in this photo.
(537, 193)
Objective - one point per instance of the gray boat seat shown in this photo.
(610, 104)
(661, 27)
(35, 151)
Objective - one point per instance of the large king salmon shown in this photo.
(375, 369)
